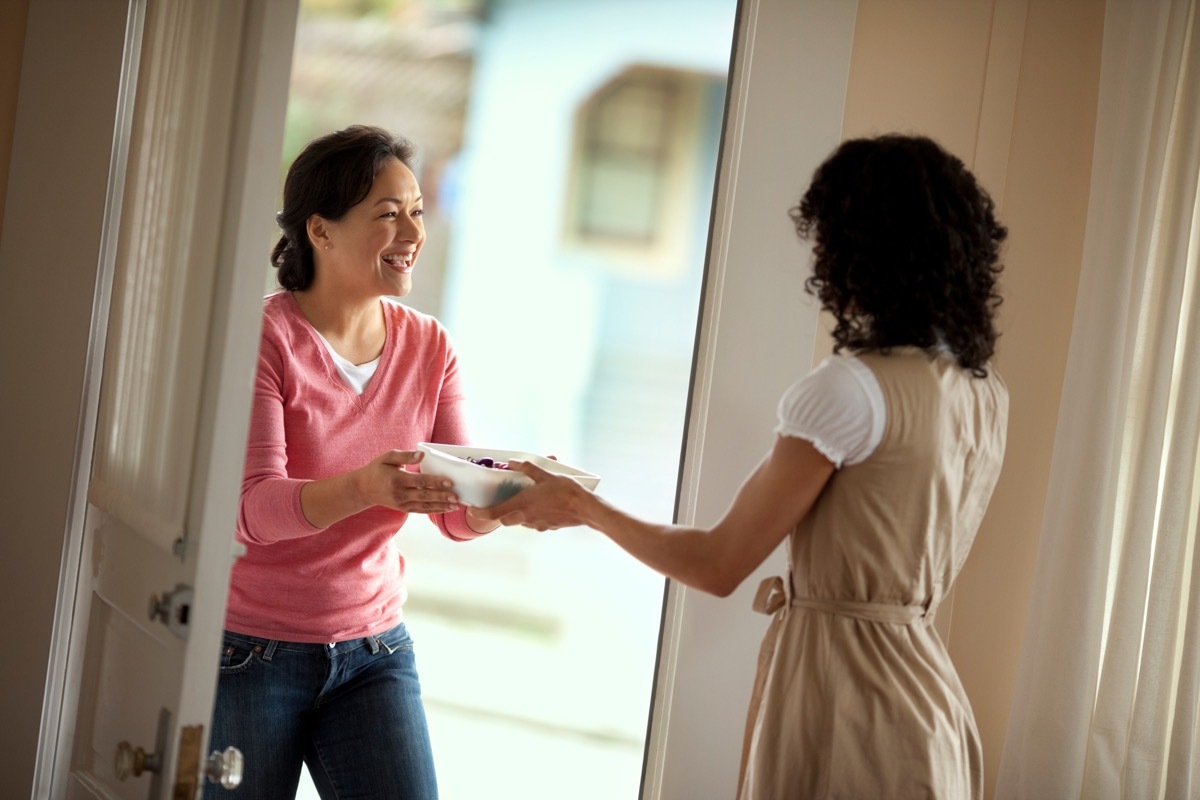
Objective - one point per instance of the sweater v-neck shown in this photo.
(370, 390)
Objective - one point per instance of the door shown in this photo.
(187, 223)
(758, 332)
(574, 337)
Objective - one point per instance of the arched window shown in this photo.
(632, 175)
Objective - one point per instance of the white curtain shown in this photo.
(1106, 703)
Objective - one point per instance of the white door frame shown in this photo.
(61, 700)
(758, 333)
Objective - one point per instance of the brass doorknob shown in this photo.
(134, 761)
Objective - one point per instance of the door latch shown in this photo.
(173, 609)
(222, 768)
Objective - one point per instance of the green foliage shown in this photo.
(356, 8)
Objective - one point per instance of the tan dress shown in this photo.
(856, 695)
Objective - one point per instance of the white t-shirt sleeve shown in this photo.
(838, 407)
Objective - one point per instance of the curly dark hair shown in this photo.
(332, 173)
(906, 249)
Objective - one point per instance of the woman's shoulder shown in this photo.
(838, 376)
(279, 305)
(847, 364)
(838, 406)
(908, 363)
(279, 311)
(914, 372)
(411, 320)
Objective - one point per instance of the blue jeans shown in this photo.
(350, 710)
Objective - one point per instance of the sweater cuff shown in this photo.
(454, 526)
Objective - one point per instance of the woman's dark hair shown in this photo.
(906, 247)
(331, 174)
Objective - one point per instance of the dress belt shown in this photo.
(775, 593)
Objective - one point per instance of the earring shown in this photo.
(326, 247)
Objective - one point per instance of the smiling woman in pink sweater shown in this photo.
(317, 665)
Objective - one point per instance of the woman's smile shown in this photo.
(400, 262)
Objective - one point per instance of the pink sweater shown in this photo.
(297, 582)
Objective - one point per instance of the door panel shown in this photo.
(208, 86)
(758, 333)
(130, 665)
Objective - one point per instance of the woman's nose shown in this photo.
(412, 231)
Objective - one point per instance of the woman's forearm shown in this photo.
(690, 555)
(329, 500)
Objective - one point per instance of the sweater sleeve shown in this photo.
(270, 509)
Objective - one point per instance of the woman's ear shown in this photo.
(318, 232)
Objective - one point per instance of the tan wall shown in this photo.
(1009, 86)
(12, 40)
(23, 677)
(69, 84)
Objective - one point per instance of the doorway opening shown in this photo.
(566, 154)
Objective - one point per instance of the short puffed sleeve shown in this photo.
(838, 407)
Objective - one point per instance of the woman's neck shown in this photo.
(355, 330)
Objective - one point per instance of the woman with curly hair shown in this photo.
(883, 464)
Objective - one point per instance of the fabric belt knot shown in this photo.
(775, 593)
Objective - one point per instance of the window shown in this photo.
(633, 170)
(626, 132)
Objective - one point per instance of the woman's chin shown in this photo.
(401, 287)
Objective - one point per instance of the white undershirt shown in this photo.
(838, 407)
(356, 376)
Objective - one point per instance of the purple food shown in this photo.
(491, 463)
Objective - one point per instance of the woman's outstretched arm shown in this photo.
(773, 498)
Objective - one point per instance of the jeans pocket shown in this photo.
(395, 640)
(237, 655)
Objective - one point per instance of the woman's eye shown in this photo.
(418, 212)
(389, 215)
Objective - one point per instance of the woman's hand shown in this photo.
(384, 481)
(554, 501)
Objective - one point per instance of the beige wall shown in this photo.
(1010, 86)
(24, 684)
(12, 40)
(62, 140)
